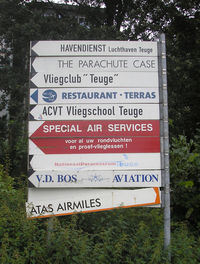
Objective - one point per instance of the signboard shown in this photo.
(94, 48)
(99, 161)
(47, 202)
(93, 128)
(94, 111)
(95, 145)
(94, 122)
(93, 64)
(93, 95)
(94, 179)
(94, 79)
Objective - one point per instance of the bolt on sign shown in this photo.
(95, 120)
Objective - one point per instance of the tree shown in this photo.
(183, 71)
(180, 21)
(20, 22)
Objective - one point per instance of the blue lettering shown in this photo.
(67, 178)
(48, 178)
(155, 177)
(74, 179)
(135, 178)
(39, 177)
(117, 178)
(131, 179)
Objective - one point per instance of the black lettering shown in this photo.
(33, 210)
(77, 206)
(98, 202)
(92, 203)
(69, 206)
(60, 207)
(44, 209)
(50, 209)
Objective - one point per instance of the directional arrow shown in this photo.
(94, 95)
(34, 96)
(94, 128)
(95, 79)
(96, 112)
(96, 64)
(93, 48)
(49, 202)
(95, 179)
(114, 161)
(97, 145)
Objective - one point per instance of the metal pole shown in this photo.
(167, 224)
(49, 230)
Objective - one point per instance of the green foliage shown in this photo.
(185, 174)
(6, 183)
(183, 41)
(123, 236)
(185, 248)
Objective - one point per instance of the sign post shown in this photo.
(95, 125)
(167, 221)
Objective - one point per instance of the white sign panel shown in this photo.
(95, 112)
(95, 79)
(95, 179)
(114, 161)
(93, 48)
(46, 202)
(93, 95)
(94, 64)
